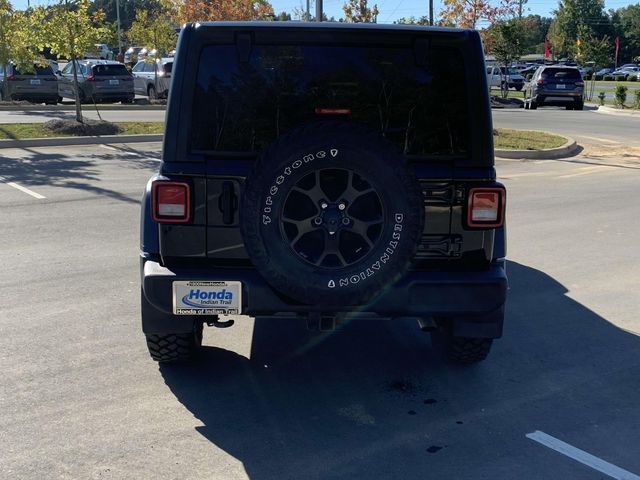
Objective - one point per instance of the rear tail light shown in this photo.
(170, 202)
(579, 84)
(486, 207)
(539, 82)
(9, 76)
(128, 79)
(90, 77)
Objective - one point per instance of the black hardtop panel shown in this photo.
(194, 38)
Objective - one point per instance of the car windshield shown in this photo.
(561, 74)
(100, 70)
(509, 71)
(244, 106)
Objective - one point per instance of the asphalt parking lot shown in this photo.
(267, 400)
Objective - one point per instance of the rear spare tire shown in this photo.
(331, 214)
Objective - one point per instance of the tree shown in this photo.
(128, 10)
(572, 15)
(212, 10)
(70, 31)
(154, 32)
(358, 11)
(467, 13)
(424, 20)
(16, 43)
(626, 26)
(506, 39)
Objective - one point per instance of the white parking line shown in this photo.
(23, 189)
(581, 456)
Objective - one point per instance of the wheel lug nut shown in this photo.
(323, 205)
(317, 220)
(342, 206)
(346, 221)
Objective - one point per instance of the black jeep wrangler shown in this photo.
(325, 171)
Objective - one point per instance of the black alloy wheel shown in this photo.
(332, 218)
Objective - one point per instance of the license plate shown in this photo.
(560, 86)
(114, 82)
(207, 298)
(35, 82)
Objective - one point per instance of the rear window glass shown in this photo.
(38, 70)
(99, 70)
(561, 73)
(243, 106)
(168, 67)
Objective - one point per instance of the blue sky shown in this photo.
(390, 10)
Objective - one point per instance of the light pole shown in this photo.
(119, 31)
(318, 10)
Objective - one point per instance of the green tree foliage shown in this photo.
(17, 45)
(155, 32)
(506, 44)
(70, 31)
(358, 11)
(626, 25)
(574, 17)
(127, 10)
(283, 17)
(535, 29)
(593, 49)
(413, 21)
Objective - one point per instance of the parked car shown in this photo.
(497, 76)
(131, 55)
(282, 194)
(101, 51)
(98, 81)
(555, 85)
(145, 81)
(604, 71)
(625, 72)
(628, 65)
(38, 86)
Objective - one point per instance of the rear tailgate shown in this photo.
(450, 149)
(112, 79)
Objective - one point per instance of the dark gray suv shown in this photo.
(555, 85)
(98, 81)
(38, 86)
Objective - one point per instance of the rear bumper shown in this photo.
(472, 295)
(558, 97)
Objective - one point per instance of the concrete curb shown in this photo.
(566, 150)
(614, 111)
(62, 141)
(72, 108)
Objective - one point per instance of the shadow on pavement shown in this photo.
(76, 171)
(372, 401)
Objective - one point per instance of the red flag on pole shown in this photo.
(617, 49)
(547, 54)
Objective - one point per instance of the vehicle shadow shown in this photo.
(373, 400)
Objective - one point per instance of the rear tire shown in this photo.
(460, 350)
(151, 92)
(175, 347)
(533, 105)
(579, 106)
(568, 107)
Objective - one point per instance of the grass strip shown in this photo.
(508, 139)
(19, 131)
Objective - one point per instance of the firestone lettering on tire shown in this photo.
(377, 265)
(280, 179)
